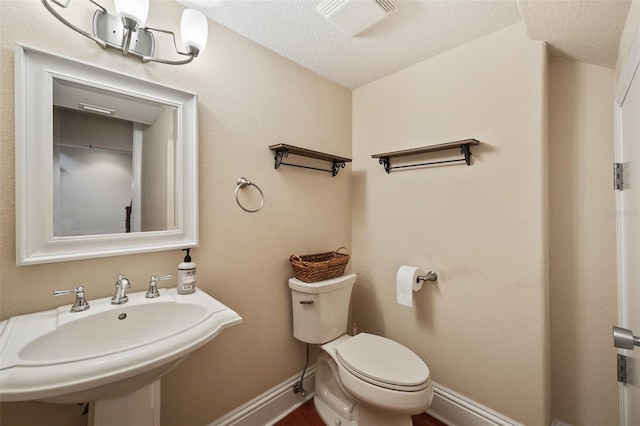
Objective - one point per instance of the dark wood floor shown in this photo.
(306, 415)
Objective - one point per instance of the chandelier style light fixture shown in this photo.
(127, 33)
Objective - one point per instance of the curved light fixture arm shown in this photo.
(60, 18)
(96, 3)
(175, 45)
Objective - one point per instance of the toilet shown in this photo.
(365, 380)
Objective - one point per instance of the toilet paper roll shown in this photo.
(406, 283)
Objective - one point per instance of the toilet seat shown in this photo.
(383, 362)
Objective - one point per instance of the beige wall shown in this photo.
(483, 328)
(583, 251)
(249, 98)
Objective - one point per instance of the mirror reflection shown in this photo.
(114, 162)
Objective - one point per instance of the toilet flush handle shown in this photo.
(306, 302)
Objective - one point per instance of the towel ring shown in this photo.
(242, 182)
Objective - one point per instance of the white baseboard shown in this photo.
(457, 410)
(271, 406)
(276, 403)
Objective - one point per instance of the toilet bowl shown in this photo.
(366, 379)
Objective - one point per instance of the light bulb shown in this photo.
(194, 31)
(138, 10)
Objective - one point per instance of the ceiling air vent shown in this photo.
(355, 16)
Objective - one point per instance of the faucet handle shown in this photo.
(153, 287)
(80, 303)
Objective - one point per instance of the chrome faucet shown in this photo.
(80, 304)
(153, 286)
(121, 286)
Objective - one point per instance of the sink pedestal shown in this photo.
(138, 408)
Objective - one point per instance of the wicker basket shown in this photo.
(312, 268)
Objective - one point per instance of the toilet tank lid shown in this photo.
(322, 286)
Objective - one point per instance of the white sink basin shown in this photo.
(106, 351)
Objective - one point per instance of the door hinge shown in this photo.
(618, 169)
(622, 368)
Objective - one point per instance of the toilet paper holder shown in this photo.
(430, 276)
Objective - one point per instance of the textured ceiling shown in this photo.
(585, 30)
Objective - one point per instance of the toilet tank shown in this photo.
(321, 309)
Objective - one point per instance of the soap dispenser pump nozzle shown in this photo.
(187, 258)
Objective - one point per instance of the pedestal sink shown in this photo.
(106, 351)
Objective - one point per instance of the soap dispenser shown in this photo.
(186, 275)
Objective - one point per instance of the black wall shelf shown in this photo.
(464, 146)
(282, 151)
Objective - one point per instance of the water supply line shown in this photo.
(298, 387)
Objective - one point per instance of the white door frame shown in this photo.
(629, 69)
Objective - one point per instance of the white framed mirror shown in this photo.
(106, 163)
